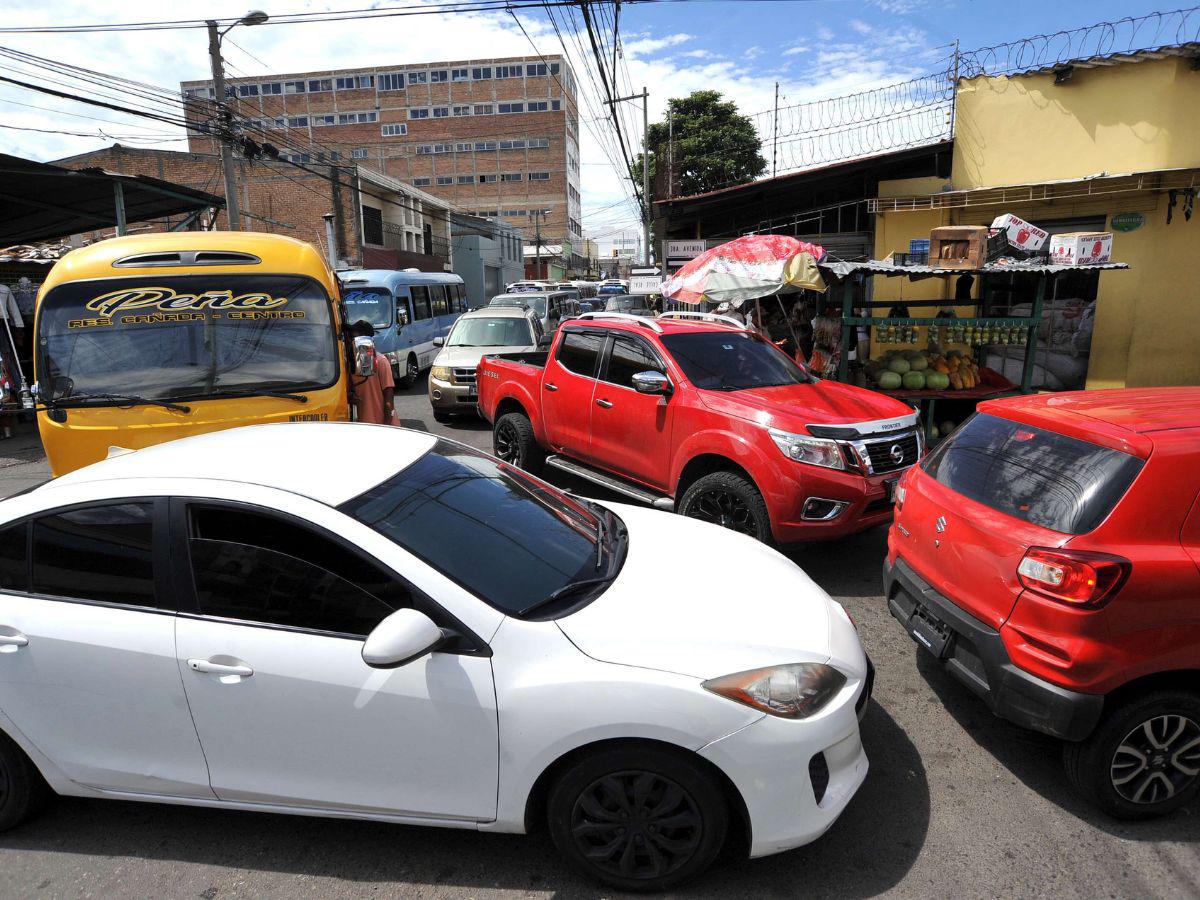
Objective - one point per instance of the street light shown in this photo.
(254, 17)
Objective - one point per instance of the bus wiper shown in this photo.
(124, 401)
(572, 587)
(247, 392)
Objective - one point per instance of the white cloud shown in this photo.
(696, 54)
(752, 52)
(860, 26)
(644, 46)
(797, 49)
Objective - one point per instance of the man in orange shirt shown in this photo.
(374, 394)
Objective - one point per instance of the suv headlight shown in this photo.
(811, 450)
(440, 373)
(794, 691)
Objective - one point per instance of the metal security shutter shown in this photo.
(847, 245)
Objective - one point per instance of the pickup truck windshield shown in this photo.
(185, 335)
(506, 537)
(491, 332)
(732, 361)
(372, 304)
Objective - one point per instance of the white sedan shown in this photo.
(361, 621)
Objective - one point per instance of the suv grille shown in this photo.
(885, 459)
(464, 376)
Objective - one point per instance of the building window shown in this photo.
(372, 225)
(508, 71)
(356, 117)
(392, 81)
(484, 109)
(359, 153)
(535, 69)
(464, 148)
(466, 179)
(556, 105)
(394, 129)
(487, 179)
(485, 145)
(351, 82)
(297, 121)
(318, 85)
(512, 145)
(322, 120)
(271, 87)
(504, 108)
(460, 110)
(441, 112)
(247, 90)
(538, 143)
(420, 182)
(510, 176)
(480, 73)
(293, 87)
(438, 75)
(421, 113)
(539, 176)
(418, 77)
(460, 74)
(445, 179)
(538, 106)
(554, 68)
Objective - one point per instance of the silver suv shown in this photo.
(492, 329)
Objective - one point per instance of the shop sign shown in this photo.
(685, 249)
(1128, 221)
(645, 284)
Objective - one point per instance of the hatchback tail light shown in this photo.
(1075, 577)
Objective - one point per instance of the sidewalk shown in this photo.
(22, 462)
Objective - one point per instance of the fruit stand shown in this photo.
(955, 374)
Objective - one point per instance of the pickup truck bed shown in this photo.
(535, 358)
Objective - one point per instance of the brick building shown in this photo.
(379, 221)
(494, 137)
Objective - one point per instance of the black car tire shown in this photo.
(1107, 768)
(412, 371)
(729, 500)
(638, 818)
(23, 791)
(514, 442)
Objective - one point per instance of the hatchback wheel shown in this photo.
(728, 500)
(514, 442)
(22, 790)
(638, 819)
(1143, 759)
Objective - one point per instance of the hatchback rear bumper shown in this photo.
(976, 656)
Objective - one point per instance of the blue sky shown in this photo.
(815, 49)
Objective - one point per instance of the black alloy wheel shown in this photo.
(1157, 759)
(514, 442)
(729, 500)
(506, 442)
(636, 825)
(720, 507)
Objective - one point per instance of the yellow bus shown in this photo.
(145, 339)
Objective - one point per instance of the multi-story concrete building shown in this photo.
(493, 137)
(487, 254)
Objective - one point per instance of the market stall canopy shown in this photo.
(756, 265)
(42, 201)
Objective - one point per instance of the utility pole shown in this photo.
(644, 96)
(670, 151)
(537, 243)
(775, 133)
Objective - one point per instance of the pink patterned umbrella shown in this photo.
(756, 265)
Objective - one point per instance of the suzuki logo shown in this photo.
(896, 452)
(940, 524)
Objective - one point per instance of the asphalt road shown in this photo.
(957, 803)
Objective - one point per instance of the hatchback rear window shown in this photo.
(1045, 478)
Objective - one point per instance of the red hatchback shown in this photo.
(1048, 553)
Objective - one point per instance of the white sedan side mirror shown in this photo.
(403, 636)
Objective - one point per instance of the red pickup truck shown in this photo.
(700, 415)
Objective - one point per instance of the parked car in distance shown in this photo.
(611, 288)
(520, 287)
(1048, 553)
(551, 307)
(427, 636)
(499, 329)
(695, 413)
(633, 304)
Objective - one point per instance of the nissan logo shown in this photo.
(896, 453)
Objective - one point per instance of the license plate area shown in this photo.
(930, 632)
(889, 489)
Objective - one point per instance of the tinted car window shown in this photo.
(437, 294)
(420, 302)
(98, 553)
(256, 567)
(1048, 479)
(629, 356)
(504, 536)
(14, 556)
(732, 361)
(578, 352)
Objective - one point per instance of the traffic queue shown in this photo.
(483, 650)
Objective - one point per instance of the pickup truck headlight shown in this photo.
(441, 373)
(794, 691)
(811, 450)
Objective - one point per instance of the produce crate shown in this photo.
(958, 247)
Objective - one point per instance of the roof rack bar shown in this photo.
(703, 317)
(625, 317)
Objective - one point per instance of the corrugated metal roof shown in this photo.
(1190, 48)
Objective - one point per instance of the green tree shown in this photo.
(708, 145)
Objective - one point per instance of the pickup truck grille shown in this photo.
(464, 376)
(884, 458)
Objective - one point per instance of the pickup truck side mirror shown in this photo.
(545, 341)
(651, 382)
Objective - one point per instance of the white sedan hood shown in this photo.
(699, 600)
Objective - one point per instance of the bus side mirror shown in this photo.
(401, 315)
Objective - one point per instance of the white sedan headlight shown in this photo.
(811, 450)
(793, 691)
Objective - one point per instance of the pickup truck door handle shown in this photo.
(209, 667)
(550, 387)
(607, 404)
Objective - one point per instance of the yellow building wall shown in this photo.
(1129, 117)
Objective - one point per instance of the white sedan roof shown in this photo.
(331, 462)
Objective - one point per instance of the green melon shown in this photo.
(918, 363)
(899, 365)
(889, 381)
(914, 381)
(937, 381)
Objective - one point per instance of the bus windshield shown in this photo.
(185, 336)
(370, 303)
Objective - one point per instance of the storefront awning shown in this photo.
(841, 269)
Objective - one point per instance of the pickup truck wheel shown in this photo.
(728, 500)
(1143, 759)
(513, 441)
(412, 372)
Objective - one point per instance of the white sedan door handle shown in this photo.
(211, 668)
(13, 640)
